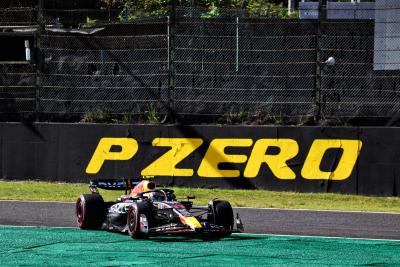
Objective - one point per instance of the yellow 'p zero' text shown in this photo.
(182, 148)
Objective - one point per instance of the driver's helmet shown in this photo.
(156, 196)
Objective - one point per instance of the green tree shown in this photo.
(142, 8)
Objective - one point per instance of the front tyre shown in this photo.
(139, 219)
(221, 213)
(90, 211)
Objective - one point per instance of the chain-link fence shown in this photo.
(250, 65)
(229, 65)
(117, 73)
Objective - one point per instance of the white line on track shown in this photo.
(327, 237)
(36, 226)
(38, 201)
(347, 211)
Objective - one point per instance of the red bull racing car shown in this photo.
(149, 211)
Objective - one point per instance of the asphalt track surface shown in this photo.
(257, 221)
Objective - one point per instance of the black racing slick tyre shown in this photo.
(221, 214)
(133, 219)
(90, 211)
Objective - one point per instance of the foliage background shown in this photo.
(143, 8)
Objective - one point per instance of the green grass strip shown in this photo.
(23, 246)
(43, 191)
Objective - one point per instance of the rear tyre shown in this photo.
(137, 210)
(221, 214)
(90, 211)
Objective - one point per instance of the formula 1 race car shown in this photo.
(147, 211)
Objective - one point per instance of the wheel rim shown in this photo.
(132, 220)
(79, 211)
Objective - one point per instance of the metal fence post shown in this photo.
(168, 42)
(39, 56)
(318, 66)
(237, 44)
(171, 60)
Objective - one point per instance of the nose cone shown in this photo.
(192, 222)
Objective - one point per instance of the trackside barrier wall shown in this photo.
(362, 160)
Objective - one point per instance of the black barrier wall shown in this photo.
(361, 161)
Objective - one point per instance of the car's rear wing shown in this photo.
(114, 184)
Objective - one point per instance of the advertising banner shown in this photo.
(302, 159)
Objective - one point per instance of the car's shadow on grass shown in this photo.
(167, 239)
(194, 238)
